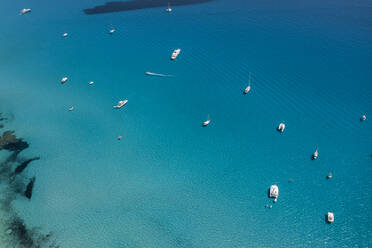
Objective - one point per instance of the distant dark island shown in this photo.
(138, 4)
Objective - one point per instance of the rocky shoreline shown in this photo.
(14, 183)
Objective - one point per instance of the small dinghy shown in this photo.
(315, 155)
(281, 127)
(120, 104)
(329, 176)
(169, 9)
(120, 137)
(64, 80)
(330, 217)
(175, 54)
(363, 118)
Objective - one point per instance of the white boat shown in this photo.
(112, 31)
(71, 108)
(24, 11)
(175, 54)
(316, 153)
(274, 191)
(246, 90)
(91, 83)
(329, 176)
(120, 137)
(206, 123)
(64, 80)
(169, 9)
(65, 35)
(330, 217)
(281, 127)
(121, 104)
(363, 118)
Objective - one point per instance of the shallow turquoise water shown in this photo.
(169, 182)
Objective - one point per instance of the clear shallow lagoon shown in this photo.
(169, 182)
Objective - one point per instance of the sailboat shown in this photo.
(246, 90)
(169, 9)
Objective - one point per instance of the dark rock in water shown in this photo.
(23, 165)
(20, 231)
(138, 4)
(9, 141)
(30, 186)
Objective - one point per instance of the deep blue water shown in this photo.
(169, 182)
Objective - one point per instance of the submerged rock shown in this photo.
(29, 188)
(23, 165)
(9, 141)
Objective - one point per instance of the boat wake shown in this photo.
(157, 74)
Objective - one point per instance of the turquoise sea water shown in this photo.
(169, 182)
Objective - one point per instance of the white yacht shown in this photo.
(169, 9)
(281, 127)
(363, 118)
(24, 11)
(330, 217)
(91, 83)
(206, 123)
(274, 191)
(71, 108)
(246, 90)
(112, 31)
(64, 80)
(65, 35)
(121, 104)
(175, 54)
(316, 153)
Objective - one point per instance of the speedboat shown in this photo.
(169, 9)
(274, 191)
(206, 123)
(315, 155)
(175, 54)
(246, 90)
(71, 108)
(281, 127)
(112, 31)
(120, 137)
(330, 217)
(65, 35)
(64, 80)
(121, 104)
(91, 83)
(329, 176)
(24, 11)
(363, 118)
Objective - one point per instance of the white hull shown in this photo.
(274, 191)
(120, 104)
(175, 54)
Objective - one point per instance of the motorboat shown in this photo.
(91, 83)
(65, 35)
(363, 118)
(330, 217)
(71, 108)
(329, 176)
(246, 90)
(64, 80)
(281, 127)
(274, 191)
(25, 11)
(175, 54)
(120, 104)
(315, 155)
(169, 9)
(112, 31)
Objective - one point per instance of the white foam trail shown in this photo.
(157, 74)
